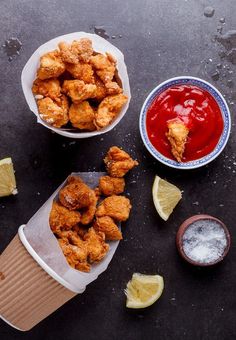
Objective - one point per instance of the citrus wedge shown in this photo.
(143, 290)
(165, 197)
(7, 178)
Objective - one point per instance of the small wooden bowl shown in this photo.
(183, 228)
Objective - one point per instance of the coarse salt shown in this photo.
(204, 241)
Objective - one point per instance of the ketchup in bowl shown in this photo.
(197, 109)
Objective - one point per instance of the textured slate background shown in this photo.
(160, 39)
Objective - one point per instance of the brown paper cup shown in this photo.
(27, 293)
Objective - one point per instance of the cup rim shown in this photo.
(185, 225)
(224, 109)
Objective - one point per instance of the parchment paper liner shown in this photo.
(99, 45)
(27, 293)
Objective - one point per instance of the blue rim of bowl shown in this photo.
(223, 108)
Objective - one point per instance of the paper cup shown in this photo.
(99, 45)
(28, 294)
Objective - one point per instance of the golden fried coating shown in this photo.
(177, 136)
(105, 66)
(78, 50)
(111, 186)
(76, 195)
(108, 227)
(62, 218)
(96, 246)
(47, 88)
(51, 65)
(118, 162)
(108, 109)
(113, 88)
(76, 256)
(54, 113)
(82, 116)
(117, 207)
(101, 91)
(81, 71)
(87, 214)
(78, 90)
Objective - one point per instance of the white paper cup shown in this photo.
(99, 45)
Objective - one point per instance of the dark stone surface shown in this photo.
(160, 39)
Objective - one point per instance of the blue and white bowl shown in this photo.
(223, 108)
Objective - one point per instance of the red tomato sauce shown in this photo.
(197, 109)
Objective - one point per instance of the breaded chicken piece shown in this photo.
(51, 65)
(78, 90)
(76, 256)
(117, 207)
(101, 91)
(82, 115)
(54, 113)
(108, 109)
(81, 71)
(78, 50)
(113, 88)
(108, 227)
(62, 218)
(87, 214)
(177, 136)
(118, 162)
(96, 246)
(47, 88)
(76, 195)
(105, 66)
(111, 186)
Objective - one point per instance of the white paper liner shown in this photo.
(99, 45)
(42, 240)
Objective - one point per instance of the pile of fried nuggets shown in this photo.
(81, 227)
(78, 86)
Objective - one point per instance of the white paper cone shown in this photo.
(45, 244)
(99, 45)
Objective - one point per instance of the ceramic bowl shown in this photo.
(99, 45)
(186, 80)
(184, 226)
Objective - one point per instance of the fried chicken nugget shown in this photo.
(106, 225)
(105, 66)
(62, 218)
(76, 194)
(87, 214)
(118, 162)
(97, 248)
(108, 109)
(78, 50)
(78, 90)
(113, 88)
(76, 256)
(101, 91)
(54, 113)
(111, 186)
(47, 88)
(177, 136)
(117, 207)
(51, 65)
(82, 115)
(81, 71)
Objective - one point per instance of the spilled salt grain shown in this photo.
(204, 241)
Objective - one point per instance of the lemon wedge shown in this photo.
(165, 197)
(143, 290)
(7, 178)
